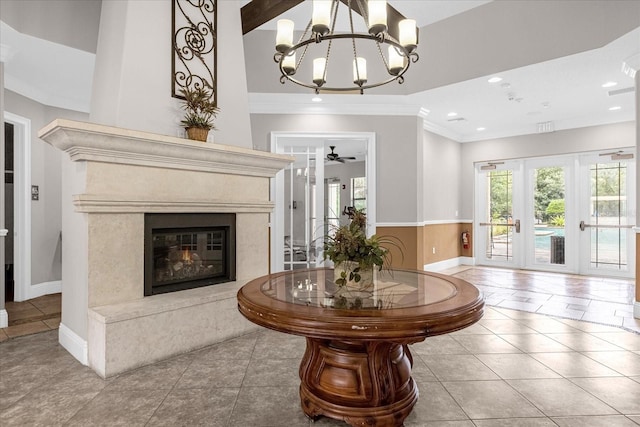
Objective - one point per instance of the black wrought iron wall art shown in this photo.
(194, 41)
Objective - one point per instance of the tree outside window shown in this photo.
(359, 193)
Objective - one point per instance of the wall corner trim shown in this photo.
(73, 344)
(4, 318)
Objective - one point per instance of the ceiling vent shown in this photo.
(457, 119)
(545, 127)
(621, 91)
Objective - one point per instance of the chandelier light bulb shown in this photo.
(284, 36)
(289, 64)
(319, 65)
(359, 71)
(321, 16)
(377, 16)
(396, 61)
(408, 34)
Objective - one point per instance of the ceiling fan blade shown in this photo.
(340, 159)
(348, 158)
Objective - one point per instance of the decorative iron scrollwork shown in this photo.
(194, 46)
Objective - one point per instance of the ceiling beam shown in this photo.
(258, 12)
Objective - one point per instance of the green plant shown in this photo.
(557, 221)
(555, 208)
(200, 110)
(349, 243)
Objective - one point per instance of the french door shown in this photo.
(565, 214)
(607, 215)
(301, 221)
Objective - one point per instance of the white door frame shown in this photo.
(583, 161)
(22, 204)
(480, 242)
(277, 186)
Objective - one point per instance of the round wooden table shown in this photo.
(357, 364)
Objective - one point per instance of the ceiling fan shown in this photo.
(335, 157)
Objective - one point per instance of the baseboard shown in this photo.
(448, 263)
(44, 288)
(73, 344)
(636, 309)
(4, 318)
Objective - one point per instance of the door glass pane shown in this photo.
(332, 205)
(549, 213)
(608, 207)
(300, 221)
(500, 211)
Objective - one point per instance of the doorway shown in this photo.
(9, 284)
(21, 231)
(571, 214)
(312, 192)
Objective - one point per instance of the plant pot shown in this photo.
(198, 134)
(365, 284)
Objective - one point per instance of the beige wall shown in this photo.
(396, 145)
(46, 253)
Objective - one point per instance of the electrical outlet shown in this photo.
(434, 249)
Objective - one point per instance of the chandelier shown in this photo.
(320, 39)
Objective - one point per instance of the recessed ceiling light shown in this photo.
(480, 129)
(495, 79)
(452, 114)
(616, 108)
(610, 84)
(316, 99)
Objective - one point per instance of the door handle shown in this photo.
(515, 224)
(584, 225)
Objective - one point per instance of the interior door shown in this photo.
(499, 213)
(607, 215)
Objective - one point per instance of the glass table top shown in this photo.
(390, 290)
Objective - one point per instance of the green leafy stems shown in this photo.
(200, 110)
(350, 243)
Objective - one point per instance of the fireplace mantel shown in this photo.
(111, 178)
(89, 141)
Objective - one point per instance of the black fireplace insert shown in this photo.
(185, 251)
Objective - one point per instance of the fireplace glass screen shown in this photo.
(188, 252)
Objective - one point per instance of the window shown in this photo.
(359, 192)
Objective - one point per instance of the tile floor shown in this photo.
(512, 368)
(32, 316)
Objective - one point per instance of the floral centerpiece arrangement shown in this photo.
(200, 112)
(356, 256)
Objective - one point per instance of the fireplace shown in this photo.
(188, 250)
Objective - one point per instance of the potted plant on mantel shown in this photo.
(200, 112)
(355, 256)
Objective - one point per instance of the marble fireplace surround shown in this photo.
(111, 177)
